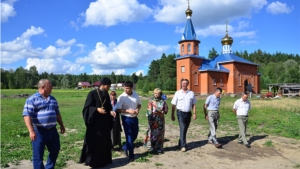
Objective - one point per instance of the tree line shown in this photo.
(274, 68)
(22, 78)
(164, 68)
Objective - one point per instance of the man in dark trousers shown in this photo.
(98, 119)
(129, 105)
(40, 114)
(184, 101)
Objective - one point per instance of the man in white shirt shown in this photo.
(241, 108)
(129, 105)
(184, 100)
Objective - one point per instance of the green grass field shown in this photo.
(273, 117)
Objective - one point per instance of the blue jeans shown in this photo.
(131, 129)
(184, 120)
(49, 138)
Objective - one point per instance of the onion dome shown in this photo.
(188, 12)
(227, 40)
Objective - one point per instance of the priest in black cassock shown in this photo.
(98, 118)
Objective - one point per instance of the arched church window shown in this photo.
(239, 79)
(189, 47)
(195, 78)
(195, 50)
(182, 48)
(252, 80)
(221, 82)
(182, 69)
(214, 82)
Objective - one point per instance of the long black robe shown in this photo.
(96, 151)
(116, 130)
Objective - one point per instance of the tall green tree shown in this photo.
(168, 67)
(154, 70)
(33, 77)
(140, 76)
(113, 77)
(133, 78)
(212, 53)
(140, 84)
(169, 85)
(65, 83)
(20, 77)
(4, 79)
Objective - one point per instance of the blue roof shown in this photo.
(229, 57)
(215, 63)
(189, 56)
(189, 32)
(208, 66)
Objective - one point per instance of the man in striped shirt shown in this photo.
(40, 116)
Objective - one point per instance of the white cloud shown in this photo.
(128, 54)
(248, 42)
(81, 49)
(220, 30)
(139, 72)
(20, 47)
(7, 10)
(108, 13)
(60, 42)
(57, 66)
(243, 24)
(53, 52)
(279, 8)
(208, 12)
(258, 4)
(108, 72)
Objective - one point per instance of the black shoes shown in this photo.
(130, 160)
(125, 153)
(246, 145)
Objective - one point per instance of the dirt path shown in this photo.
(284, 154)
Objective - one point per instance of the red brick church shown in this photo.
(228, 71)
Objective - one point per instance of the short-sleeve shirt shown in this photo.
(127, 102)
(42, 111)
(242, 108)
(213, 102)
(184, 100)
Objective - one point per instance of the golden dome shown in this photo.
(227, 40)
(189, 12)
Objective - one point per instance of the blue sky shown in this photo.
(124, 36)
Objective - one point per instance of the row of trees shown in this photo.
(162, 74)
(274, 68)
(22, 78)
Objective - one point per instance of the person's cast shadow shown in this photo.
(119, 162)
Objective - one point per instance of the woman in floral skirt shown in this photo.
(157, 108)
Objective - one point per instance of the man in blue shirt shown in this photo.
(40, 116)
(211, 105)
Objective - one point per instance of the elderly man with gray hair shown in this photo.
(241, 108)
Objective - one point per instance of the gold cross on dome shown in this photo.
(226, 26)
(188, 3)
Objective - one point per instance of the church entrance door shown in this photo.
(245, 85)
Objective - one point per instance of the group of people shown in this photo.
(101, 114)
